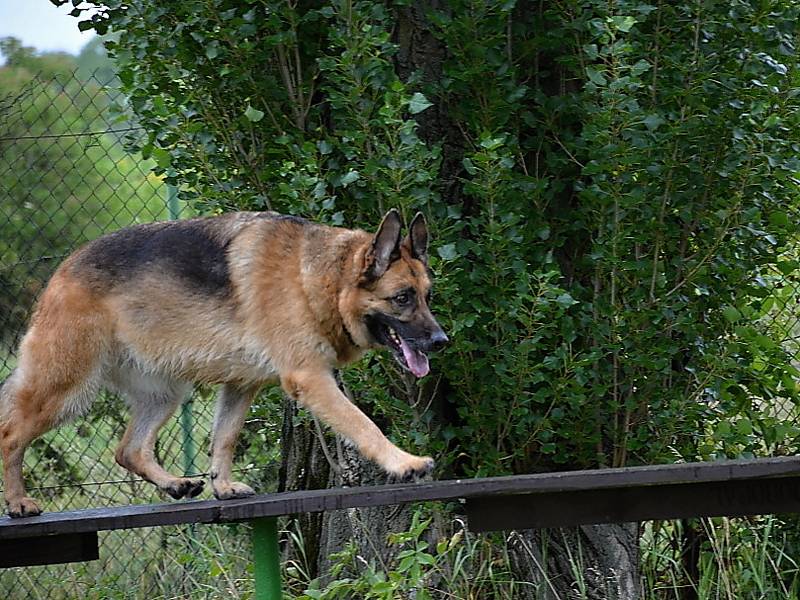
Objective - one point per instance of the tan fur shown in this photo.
(295, 313)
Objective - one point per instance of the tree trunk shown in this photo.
(691, 541)
(367, 528)
(303, 467)
(588, 562)
(420, 52)
(308, 464)
(593, 562)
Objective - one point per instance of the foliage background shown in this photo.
(612, 190)
(613, 201)
(63, 179)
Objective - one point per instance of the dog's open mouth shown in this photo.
(403, 350)
(412, 359)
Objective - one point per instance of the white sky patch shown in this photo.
(44, 26)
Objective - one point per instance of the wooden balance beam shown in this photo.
(724, 488)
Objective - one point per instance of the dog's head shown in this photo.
(394, 292)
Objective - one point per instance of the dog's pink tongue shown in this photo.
(417, 362)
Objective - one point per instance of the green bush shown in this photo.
(613, 226)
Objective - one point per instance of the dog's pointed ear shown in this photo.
(417, 239)
(385, 246)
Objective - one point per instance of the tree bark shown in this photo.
(303, 467)
(367, 528)
(307, 464)
(421, 53)
(592, 562)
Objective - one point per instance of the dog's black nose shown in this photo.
(439, 340)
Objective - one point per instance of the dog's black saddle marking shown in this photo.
(190, 250)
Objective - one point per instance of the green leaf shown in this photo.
(653, 122)
(623, 24)
(350, 177)
(779, 219)
(731, 314)
(125, 76)
(788, 266)
(253, 114)
(215, 570)
(418, 103)
(447, 252)
(565, 300)
(723, 430)
(744, 427)
(595, 76)
(405, 564)
(162, 157)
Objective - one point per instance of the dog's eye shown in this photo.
(402, 298)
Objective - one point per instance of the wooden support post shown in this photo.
(266, 559)
(49, 550)
(644, 503)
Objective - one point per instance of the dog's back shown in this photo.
(193, 251)
(176, 297)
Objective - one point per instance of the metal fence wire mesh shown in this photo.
(66, 177)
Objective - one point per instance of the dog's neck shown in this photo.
(331, 266)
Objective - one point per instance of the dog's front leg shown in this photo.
(317, 391)
(232, 405)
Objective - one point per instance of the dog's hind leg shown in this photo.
(232, 406)
(152, 405)
(24, 418)
(57, 377)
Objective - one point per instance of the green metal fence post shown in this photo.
(266, 558)
(189, 453)
(187, 445)
(189, 468)
(173, 207)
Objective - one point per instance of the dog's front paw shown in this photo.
(184, 487)
(228, 490)
(413, 468)
(24, 507)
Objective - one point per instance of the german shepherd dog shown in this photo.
(241, 299)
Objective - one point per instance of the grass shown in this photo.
(747, 558)
(740, 558)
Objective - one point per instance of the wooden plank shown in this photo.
(673, 501)
(213, 511)
(49, 550)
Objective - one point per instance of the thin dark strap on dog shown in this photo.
(337, 375)
(349, 336)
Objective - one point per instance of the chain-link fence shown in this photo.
(67, 176)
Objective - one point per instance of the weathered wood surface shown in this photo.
(540, 486)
